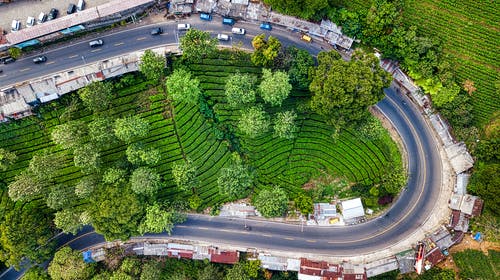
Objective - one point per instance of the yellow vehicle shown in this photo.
(306, 38)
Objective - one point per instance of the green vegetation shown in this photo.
(113, 169)
(271, 202)
(475, 264)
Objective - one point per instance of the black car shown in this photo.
(53, 14)
(157, 31)
(71, 9)
(39, 59)
(8, 60)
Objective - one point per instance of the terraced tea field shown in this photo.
(186, 133)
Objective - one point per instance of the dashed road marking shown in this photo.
(50, 62)
(289, 238)
(119, 44)
(311, 241)
(205, 228)
(96, 50)
(267, 235)
(73, 56)
(141, 38)
(24, 70)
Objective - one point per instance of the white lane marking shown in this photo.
(118, 44)
(73, 56)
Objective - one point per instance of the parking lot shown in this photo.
(21, 10)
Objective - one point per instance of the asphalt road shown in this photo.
(408, 213)
(136, 38)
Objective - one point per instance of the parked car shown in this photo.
(228, 21)
(239, 31)
(223, 37)
(30, 22)
(183, 26)
(39, 59)
(8, 60)
(266, 26)
(81, 5)
(205, 16)
(96, 43)
(42, 17)
(156, 31)
(16, 25)
(71, 9)
(306, 38)
(53, 14)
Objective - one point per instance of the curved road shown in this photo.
(407, 214)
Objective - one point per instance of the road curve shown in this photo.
(407, 214)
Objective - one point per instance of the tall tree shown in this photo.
(342, 91)
(26, 233)
(237, 272)
(151, 270)
(69, 265)
(159, 219)
(197, 44)
(239, 89)
(87, 157)
(145, 180)
(265, 51)
(70, 135)
(129, 128)
(181, 86)
(97, 96)
(235, 181)
(115, 176)
(210, 272)
(275, 87)
(253, 122)
(304, 204)
(185, 175)
(101, 132)
(60, 196)
(25, 187)
(86, 186)
(152, 65)
(36, 273)
(45, 165)
(485, 182)
(6, 159)
(138, 154)
(284, 124)
(300, 64)
(68, 220)
(272, 202)
(115, 211)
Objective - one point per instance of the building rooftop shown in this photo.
(352, 208)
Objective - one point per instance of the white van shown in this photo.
(16, 25)
(30, 22)
(81, 5)
(42, 17)
(239, 31)
(223, 37)
(183, 26)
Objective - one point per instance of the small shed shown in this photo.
(352, 209)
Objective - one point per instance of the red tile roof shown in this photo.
(228, 257)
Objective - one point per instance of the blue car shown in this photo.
(266, 26)
(228, 21)
(204, 16)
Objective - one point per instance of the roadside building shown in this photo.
(353, 272)
(325, 213)
(353, 211)
(406, 260)
(223, 256)
(319, 270)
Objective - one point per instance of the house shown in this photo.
(352, 210)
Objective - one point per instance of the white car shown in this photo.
(223, 37)
(183, 26)
(30, 22)
(16, 25)
(237, 30)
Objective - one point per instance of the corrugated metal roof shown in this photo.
(352, 208)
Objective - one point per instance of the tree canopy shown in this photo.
(158, 219)
(69, 265)
(152, 65)
(130, 128)
(101, 132)
(239, 89)
(253, 122)
(185, 175)
(235, 181)
(68, 220)
(284, 124)
(265, 51)
(6, 159)
(272, 202)
(138, 154)
(97, 96)
(145, 180)
(197, 44)
(87, 157)
(70, 135)
(301, 62)
(275, 87)
(342, 91)
(181, 86)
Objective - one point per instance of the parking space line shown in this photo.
(25, 69)
(73, 56)
(140, 38)
(96, 50)
(118, 44)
